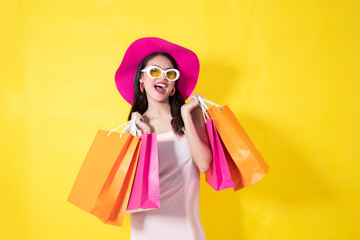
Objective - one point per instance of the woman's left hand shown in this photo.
(193, 103)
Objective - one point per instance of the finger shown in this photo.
(138, 119)
(197, 102)
(134, 114)
(196, 99)
(140, 124)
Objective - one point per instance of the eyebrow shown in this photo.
(161, 67)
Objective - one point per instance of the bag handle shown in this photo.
(205, 107)
(130, 124)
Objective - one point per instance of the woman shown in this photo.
(164, 74)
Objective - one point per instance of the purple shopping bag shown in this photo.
(145, 193)
(218, 177)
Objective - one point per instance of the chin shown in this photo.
(161, 98)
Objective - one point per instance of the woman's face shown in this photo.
(159, 88)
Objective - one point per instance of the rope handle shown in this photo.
(205, 107)
(129, 125)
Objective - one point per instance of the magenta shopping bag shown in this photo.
(145, 193)
(218, 177)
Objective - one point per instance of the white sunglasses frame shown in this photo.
(147, 70)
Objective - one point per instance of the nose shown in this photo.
(162, 76)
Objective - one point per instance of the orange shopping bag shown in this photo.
(249, 165)
(103, 184)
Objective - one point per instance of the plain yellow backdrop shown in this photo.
(289, 70)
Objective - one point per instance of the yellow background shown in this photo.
(289, 70)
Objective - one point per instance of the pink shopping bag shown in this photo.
(145, 193)
(218, 177)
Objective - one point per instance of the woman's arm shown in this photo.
(196, 134)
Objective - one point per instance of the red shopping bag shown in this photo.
(250, 166)
(145, 193)
(103, 184)
(218, 177)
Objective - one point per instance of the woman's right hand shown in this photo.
(140, 122)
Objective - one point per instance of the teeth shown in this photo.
(161, 85)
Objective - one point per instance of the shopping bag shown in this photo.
(233, 169)
(145, 193)
(103, 184)
(249, 162)
(218, 177)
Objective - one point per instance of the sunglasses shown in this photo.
(171, 74)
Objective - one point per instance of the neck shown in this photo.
(158, 109)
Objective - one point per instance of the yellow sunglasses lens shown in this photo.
(171, 75)
(155, 72)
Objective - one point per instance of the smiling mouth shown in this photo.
(160, 87)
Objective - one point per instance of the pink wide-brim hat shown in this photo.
(187, 61)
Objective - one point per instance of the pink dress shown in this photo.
(178, 216)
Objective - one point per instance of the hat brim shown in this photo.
(187, 61)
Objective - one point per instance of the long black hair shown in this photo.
(140, 103)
